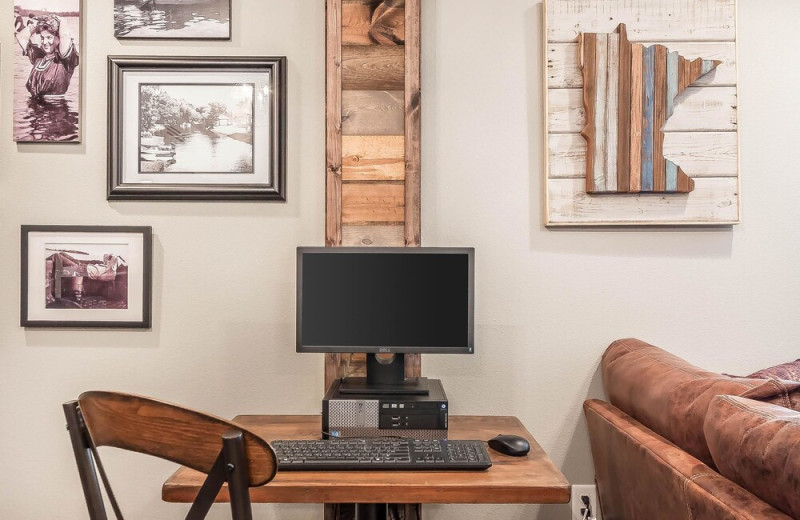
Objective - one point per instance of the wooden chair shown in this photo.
(222, 450)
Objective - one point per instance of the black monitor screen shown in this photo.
(385, 300)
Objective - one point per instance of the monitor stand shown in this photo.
(385, 375)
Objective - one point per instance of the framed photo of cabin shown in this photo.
(197, 128)
(86, 276)
(172, 19)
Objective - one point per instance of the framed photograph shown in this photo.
(197, 128)
(46, 78)
(86, 276)
(172, 19)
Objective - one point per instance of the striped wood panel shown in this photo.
(564, 70)
(705, 154)
(700, 134)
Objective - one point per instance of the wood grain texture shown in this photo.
(714, 200)
(413, 92)
(373, 112)
(373, 203)
(563, 62)
(373, 236)
(375, 67)
(333, 123)
(624, 112)
(388, 23)
(373, 158)
(530, 479)
(171, 432)
(659, 116)
(647, 20)
(705, 154)
(588, 46)
(356, 21)
(600, 148)
(637, 97)
(648, 83)
(612, 113)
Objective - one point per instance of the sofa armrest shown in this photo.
(642, 475)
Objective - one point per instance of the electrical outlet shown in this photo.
(577, 504)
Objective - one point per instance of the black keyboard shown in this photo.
(388, 454)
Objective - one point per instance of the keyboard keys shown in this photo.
(381, 453)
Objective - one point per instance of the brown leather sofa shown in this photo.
(667, 445)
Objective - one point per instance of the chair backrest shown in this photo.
(223, 450)
(172, 432)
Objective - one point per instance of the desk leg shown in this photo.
(368, 512)
(405, 511)
(340, 511)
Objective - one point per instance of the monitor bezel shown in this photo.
(469, 348)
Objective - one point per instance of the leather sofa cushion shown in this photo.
(671, 396)
(756, 445)
(787, 371)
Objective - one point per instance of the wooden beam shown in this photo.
(413, 140)
(333, 123)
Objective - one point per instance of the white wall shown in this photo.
(548, 302)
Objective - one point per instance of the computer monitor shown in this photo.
(385, 302)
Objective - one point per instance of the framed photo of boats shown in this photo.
(86, 276)
(197, 128)
(172, 19)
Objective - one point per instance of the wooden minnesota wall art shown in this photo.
(641, 112)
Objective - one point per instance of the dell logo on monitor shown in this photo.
(386, 350)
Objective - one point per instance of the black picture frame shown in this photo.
(62, 286)
(167, 37)
(269, 178)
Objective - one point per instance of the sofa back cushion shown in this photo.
(789, 371)
(671, 396)
(756, 445)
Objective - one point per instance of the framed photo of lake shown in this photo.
(197, 128)
(172, 19)
(46, 77)
(86, 276)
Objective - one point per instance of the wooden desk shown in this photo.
(532, 479)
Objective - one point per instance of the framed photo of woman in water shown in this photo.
(86, 276)
(47, 71)
(172, 19)
(197, 128)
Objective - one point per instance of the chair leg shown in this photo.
(236, 466)
(83, 458)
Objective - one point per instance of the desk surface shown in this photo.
(532, 479)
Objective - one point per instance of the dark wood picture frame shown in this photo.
(182, 67)
(34, 263)
(123, 37)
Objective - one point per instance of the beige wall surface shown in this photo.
(548, 302)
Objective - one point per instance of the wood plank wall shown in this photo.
(373, 135)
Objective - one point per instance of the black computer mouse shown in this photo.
(513, 445)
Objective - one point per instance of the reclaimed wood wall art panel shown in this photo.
(641, 99)
(373, 136)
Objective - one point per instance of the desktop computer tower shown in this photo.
(392, 415)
